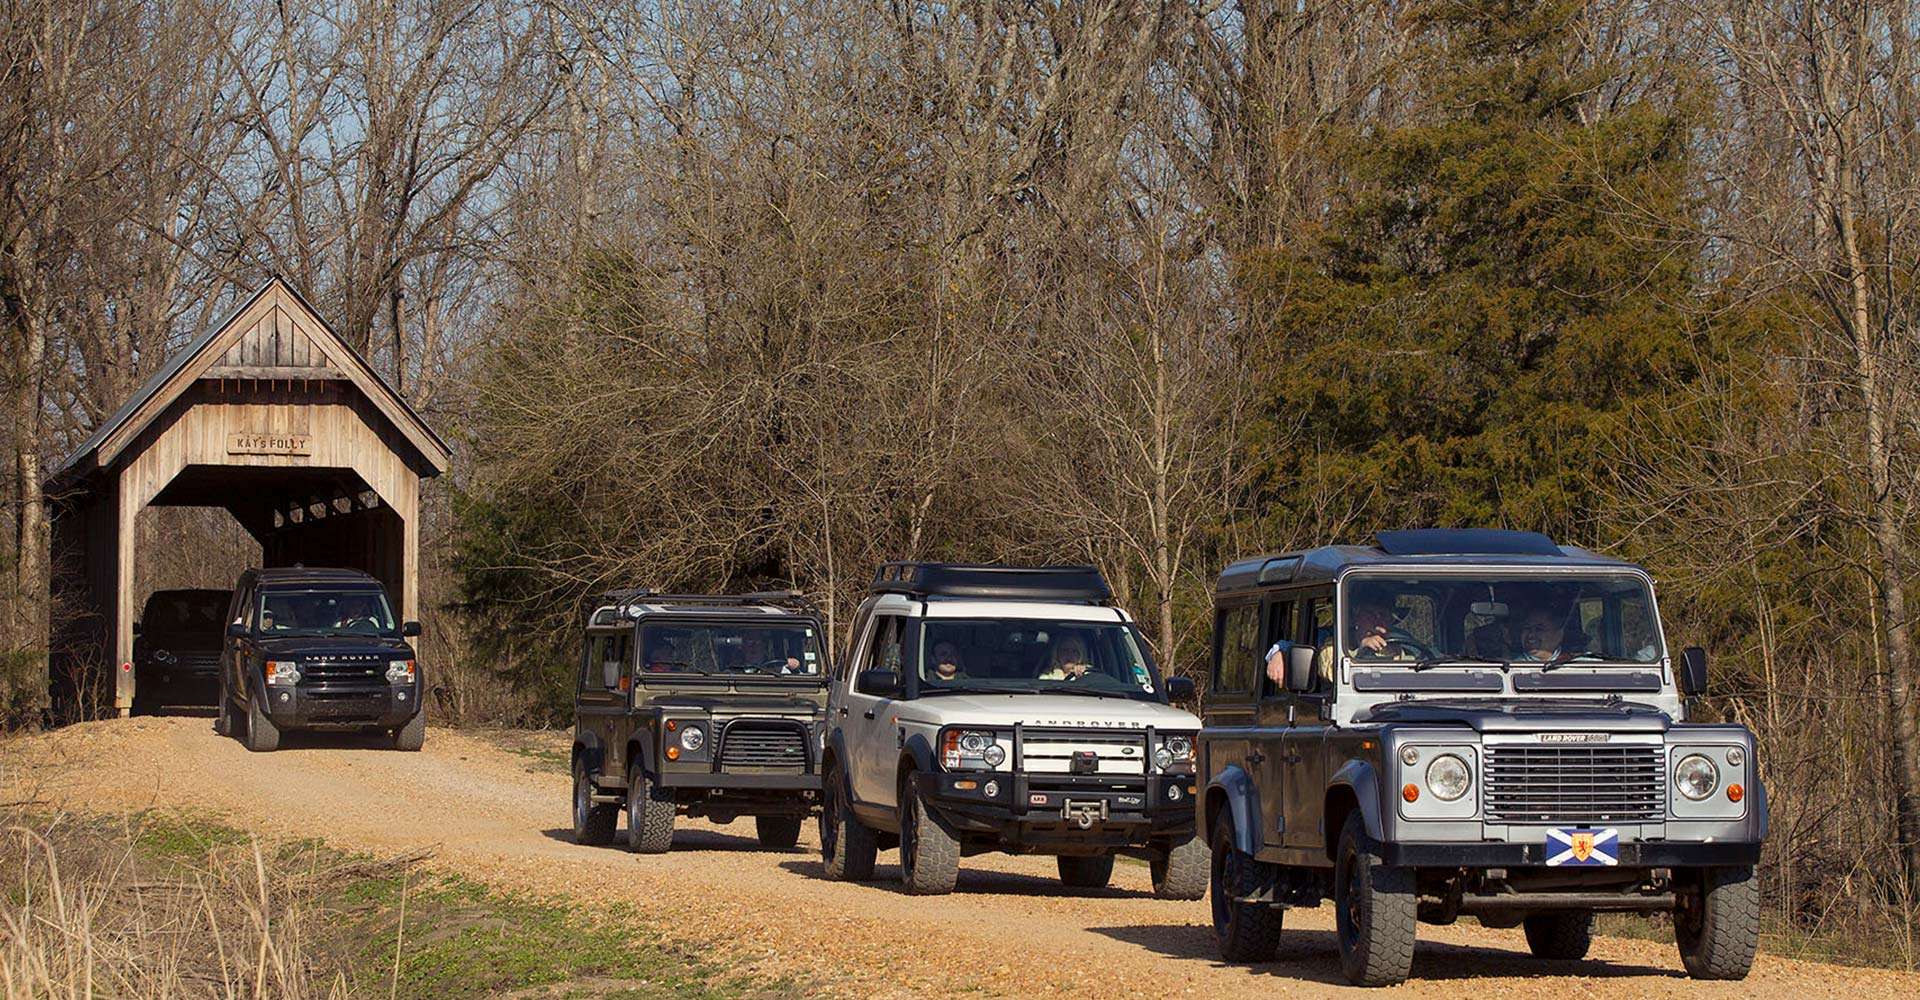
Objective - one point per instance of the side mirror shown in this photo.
(1300, 669)
(878, 683)
(1180, 689)
(410, 629)
(236, 631)
(1692, 676)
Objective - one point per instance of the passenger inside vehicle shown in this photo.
(947, 664)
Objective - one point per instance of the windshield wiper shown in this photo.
(1429, 662)
(1564, 657)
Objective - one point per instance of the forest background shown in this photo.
(747, 294)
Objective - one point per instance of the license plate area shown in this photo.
(1582, 847)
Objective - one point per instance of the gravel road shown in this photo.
(501, 816)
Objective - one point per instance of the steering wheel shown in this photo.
(1403, 639)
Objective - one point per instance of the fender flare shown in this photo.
(588, 751)
(920, 750)
(1243, 801)
(1360, 778)
(1757, 803)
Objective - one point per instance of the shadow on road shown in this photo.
(688, 841)
(1314, 956)
(977, 882)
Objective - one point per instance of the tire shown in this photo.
(778, 833)
(223, 722)
(593, 822)
(1374, 910)
(846, 845)
(1244, 932)
(1718, 926)
(413, 735)
(1182, 872)
(1086, 873)
(929, 852)
(262, 735)
(649, 820)
(1563, 937)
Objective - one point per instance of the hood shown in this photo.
(1045, 710)
(199, 640)
(736, 704)
(1524, 715)
(297, 646)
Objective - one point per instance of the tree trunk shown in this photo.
(1889, 547)
(30, 519)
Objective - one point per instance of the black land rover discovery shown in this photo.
(317, 649)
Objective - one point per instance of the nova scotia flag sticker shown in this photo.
(1580, 847)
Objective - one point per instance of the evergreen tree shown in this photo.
(1459, 341)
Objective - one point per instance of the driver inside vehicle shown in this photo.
(1541, 634)
(1376, 635)
(1068, 659)
(946, 663)
(355, 612)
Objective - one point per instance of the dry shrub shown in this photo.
(146, 907)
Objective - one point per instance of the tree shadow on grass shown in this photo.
(1314, 956)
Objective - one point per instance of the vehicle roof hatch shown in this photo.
(1007, 583)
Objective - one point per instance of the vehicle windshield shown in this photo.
(1024, 655)
(184, 613)
(1578, 620)
(787, 649)
(325, 612)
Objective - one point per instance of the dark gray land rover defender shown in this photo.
(700, 705)
(1468, 722)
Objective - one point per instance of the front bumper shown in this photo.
(1033, 810)
(1632, 854)
(321, 707)
(739, 781)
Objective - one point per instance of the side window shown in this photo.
(1239, 630)
(616, 661)
(845, 661)
(250, 609)
(883, 653)
(589, 662)
(1317, 628)
(1281, 626)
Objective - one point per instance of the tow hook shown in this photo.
(1084, 814)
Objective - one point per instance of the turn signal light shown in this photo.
(673, 753)
(672, 725)
(1411, 792)
(1735, 793)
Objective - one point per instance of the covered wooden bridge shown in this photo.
(270, 415)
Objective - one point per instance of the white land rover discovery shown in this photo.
(993, 708)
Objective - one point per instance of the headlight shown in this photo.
(961, 749)
(692, 739)
(1173, 750)
(1163, 757)
(162, 656)
(1448, 777)
(283, 672)
(1696, 777)
(399, 671)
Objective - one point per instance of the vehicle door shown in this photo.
(1304, 751)
(1273, 718)
(1233, 695)
(606, 679)
(867, 718)
(236, 660)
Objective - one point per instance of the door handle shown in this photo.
(843, 711)
(1255, 756)
(1292, 758)
(868, 713)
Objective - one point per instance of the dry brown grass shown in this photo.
(148, 907)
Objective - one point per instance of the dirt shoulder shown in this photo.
(495, 810)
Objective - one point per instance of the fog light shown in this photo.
(402, 694)
(285, 696)
(1173, 793)
(1411, 792)
(991, 790)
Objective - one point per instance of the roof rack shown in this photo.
(1465, 541)
(628, 596)
(1031, 583)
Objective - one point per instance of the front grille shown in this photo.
(1550, 784)
(208, 662)
(763, 744)
(344, 670)
(1052, 751)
